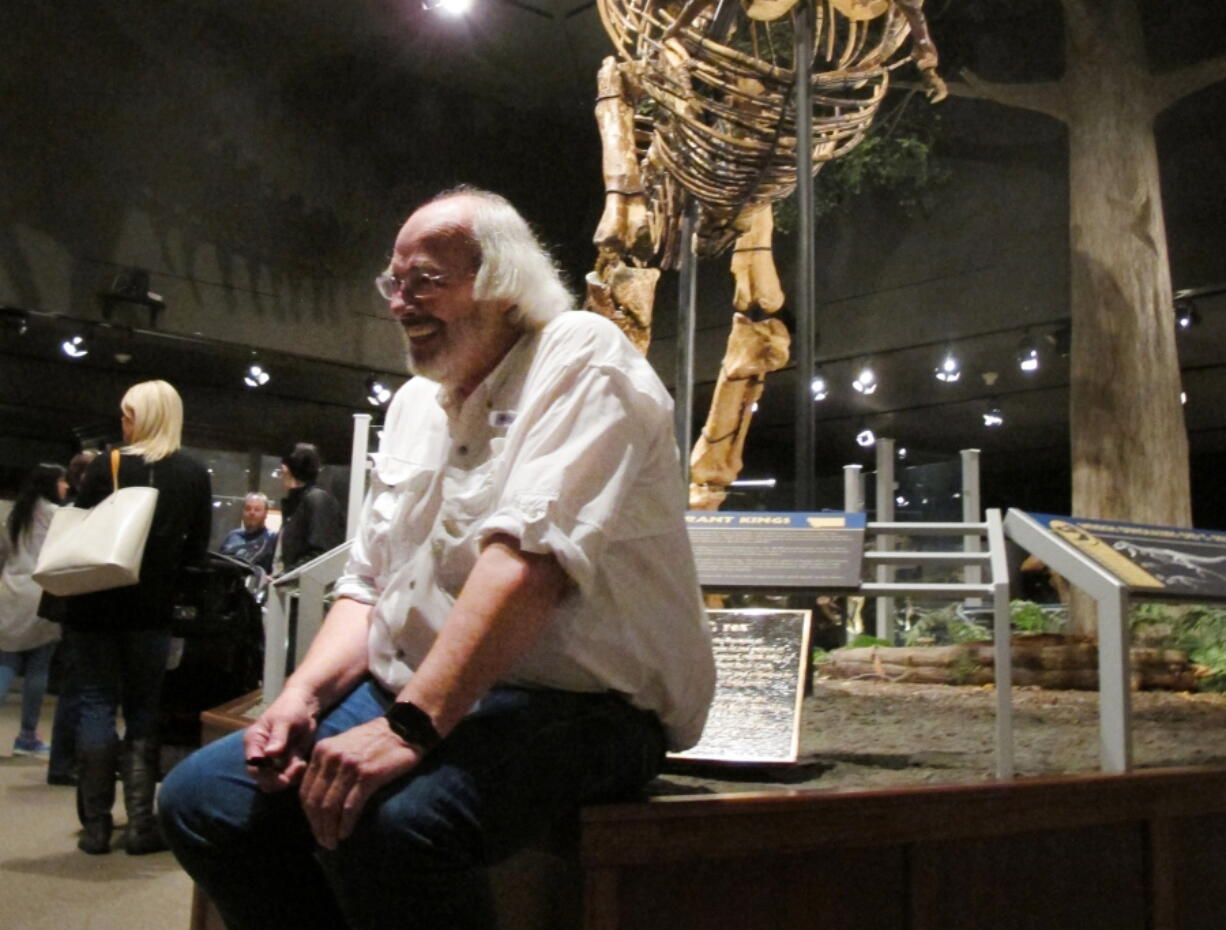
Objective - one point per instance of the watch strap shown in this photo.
(413, 725)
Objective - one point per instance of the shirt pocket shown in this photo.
(396, 484)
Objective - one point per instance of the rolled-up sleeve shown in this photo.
(358, 580)
(572, 467)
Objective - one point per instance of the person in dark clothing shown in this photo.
(252, 542)
(311, 520)
(120, 638)
(62, 768)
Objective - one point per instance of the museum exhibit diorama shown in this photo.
(958, 550)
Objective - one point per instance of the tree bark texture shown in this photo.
(1129, 443)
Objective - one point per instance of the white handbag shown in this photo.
(97, 548)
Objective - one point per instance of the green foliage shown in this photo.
(1029, 617)
(894, 158)
(1200, 631)
(943, 626)
(864, 639)
(820, 656)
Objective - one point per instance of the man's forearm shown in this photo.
(504, 606)
(337, 659)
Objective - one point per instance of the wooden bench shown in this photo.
(1144, 850)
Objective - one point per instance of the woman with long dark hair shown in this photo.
(120, 638)
(27, 641)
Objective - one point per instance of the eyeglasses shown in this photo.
(417, 284)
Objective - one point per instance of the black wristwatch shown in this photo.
(413, 725)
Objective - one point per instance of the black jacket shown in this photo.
(311, 524)
(178, 537)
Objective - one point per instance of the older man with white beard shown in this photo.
(519, 628)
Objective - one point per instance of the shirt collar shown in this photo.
(452, 405)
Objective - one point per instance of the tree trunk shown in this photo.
(1129, 443)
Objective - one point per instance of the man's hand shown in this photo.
(345, 770)
(278, 744)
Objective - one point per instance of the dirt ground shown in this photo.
(872, 734)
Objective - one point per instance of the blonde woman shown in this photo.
(121, 637)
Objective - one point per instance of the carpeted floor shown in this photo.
(45, 883)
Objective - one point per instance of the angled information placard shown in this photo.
(759, 687)
(740, 550)
(1151, 560)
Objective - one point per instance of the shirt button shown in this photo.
(412, 585)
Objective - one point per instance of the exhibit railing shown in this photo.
(987, 553)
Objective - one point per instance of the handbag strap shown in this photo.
(115, 468)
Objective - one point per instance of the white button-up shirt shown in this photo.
(568, 447)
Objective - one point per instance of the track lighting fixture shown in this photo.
(75, 346)
(1186, 314)
(256, 376)
(950, 369)
(1028, 354)
(865, 438)
(378, 394)
(992, 417)
(819, 386)
(866, 380)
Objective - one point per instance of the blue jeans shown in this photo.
(118, 668)
(34, 664)
(521, 760)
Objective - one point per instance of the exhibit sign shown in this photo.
(738, 550)
(759, 687)
(1161, 560)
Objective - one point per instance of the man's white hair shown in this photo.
(514, 266)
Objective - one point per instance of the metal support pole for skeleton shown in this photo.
(971, 513)
(806, 445)
(885, 514)
(687, 298)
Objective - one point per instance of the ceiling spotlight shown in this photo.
(992, 417)
(865, 438)
(14, 320)
(1028, 355)
(377, 393)
(819, 386)
(1183, 397)
(1186, 314)
(950, 370)
(75, 347)
(450, 7)
(902, 452)
(256, 376)
(866, 381)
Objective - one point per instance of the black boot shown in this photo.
(95, 797)
(139, 764)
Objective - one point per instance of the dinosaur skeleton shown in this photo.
(701, 102)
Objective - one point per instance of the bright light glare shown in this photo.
(866, 381)
(256, 377)
(866, 438)
(819, 388)
(450, 7)
(949, 370)
(74, 347)
(993, 418)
